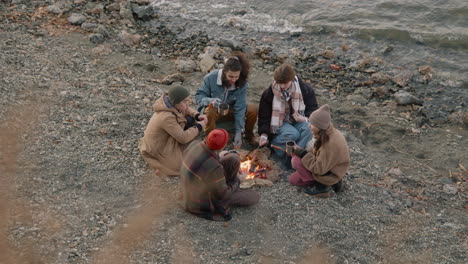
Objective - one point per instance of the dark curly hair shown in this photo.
(237, 62)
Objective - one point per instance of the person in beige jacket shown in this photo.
(323, 167)
(172, 127)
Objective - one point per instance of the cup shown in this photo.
(223, 109)
(290, 147)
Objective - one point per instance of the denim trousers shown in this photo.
(298, 132)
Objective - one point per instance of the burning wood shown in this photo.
(257, 169)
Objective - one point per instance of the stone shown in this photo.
(381, 91)
(143, 12)
(356, 99)
(380, 77)
(76, 19)
(96, 38)
(186, 65)
(125, 12)
(263, 182)
(95, 10)
(113, 7)
(102, 30)
(328, 54)
(104, 49)
(89, 26)
(59, 7)
(450, 189)
(425, 70)
(459, 117)
(402, 78)
(405, 98)
(129, 39)
(170, 79)
(206, 64)
(395, 172)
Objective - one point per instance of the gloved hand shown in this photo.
(238, 140)
(263, 140)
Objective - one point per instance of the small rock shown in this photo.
(113, 7)
(459, 117)
(102, 30)
(381, 91)
(235, 45)
(328, 54)
(450, 189)
(104, 49)
(96, 38)
(405, 98)
(395, 172)
(356, 99)
(425, 69)
(170, 79)
(206, 64)
(387, 50)
(76, 19)
(380, 77)
(96, 10)
(186, 65)
(125, 12)
(143, 12)
(402, 78)
(89, 26)
(129, 39)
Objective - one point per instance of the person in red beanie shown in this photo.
(323, 167)
(210, 185)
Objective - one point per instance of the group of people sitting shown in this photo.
(287, 112)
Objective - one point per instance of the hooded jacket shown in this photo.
(165, 138)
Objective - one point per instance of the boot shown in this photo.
(251, 139)
(319, 190)
(338, 187)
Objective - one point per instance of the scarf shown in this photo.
(280, 109)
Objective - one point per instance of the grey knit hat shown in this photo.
(177, 94)
(320, 118)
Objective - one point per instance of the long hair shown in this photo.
(321, 139)
(237, 62)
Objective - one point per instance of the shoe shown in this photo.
(251, 139)
(319, 190)
(338, 187)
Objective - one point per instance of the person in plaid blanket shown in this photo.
(210, 182)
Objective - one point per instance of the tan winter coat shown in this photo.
(165, 139)
(332, 156)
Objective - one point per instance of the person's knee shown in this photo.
(254, 198)
(296, 162)
(294, 178)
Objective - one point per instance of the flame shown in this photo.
(246, 169)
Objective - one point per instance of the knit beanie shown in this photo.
(320, 118)
(217, 139)
(177, 94)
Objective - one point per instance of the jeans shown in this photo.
(299, 133)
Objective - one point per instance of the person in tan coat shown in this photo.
(323, 166)
(172, 127)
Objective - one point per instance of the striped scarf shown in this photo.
(280, 108)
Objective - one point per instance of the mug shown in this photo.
(290, 147)
(223, 109)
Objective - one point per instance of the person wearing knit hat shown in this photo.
(283, 112)
(172, 127)
(177, 94)
(217, 139)
(320, 118)
(210, 181)
(323, 167)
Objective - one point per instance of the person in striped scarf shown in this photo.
(210, 185)
(283, 111)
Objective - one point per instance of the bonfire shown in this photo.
(257, 169)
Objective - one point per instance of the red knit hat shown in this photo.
(217, 139)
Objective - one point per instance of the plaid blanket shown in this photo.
(280, 108)
(204, 187)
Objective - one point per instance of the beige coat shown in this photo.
(165, 139)
(332, 156)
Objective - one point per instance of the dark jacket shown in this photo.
(204, 187)
(266, 106)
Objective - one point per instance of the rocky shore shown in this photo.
(77, 82)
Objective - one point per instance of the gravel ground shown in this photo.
(75, 189)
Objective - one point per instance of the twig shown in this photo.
(399, 151)
(424, 165)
